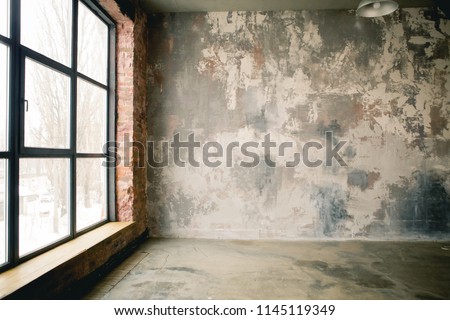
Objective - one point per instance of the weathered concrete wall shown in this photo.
(380, 84)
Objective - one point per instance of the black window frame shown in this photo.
(16, 150)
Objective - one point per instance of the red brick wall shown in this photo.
(131, 119)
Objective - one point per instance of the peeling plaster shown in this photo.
(381, 84)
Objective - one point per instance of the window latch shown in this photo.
(25, 103)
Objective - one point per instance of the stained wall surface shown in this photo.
(379, 85)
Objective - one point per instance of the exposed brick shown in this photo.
(131, 110)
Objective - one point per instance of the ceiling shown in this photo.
(261, 5)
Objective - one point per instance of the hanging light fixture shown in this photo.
(372, 9)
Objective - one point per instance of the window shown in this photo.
(56, 116)
(4, 18)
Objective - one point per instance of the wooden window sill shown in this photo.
(25, 273)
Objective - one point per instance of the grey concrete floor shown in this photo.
(216, 269)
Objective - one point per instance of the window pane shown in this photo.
(48, 108)
(4, 96)
(4, 18)
(92, 45)
(46, 27)
(43, 203)
(3, 212)
(91, 118)
(91, 192)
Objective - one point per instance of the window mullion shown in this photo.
(73, 117)
(14, 132)
(110, 124)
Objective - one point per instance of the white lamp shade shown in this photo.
(372, 9)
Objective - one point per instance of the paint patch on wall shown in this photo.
(331, 202)
(421, 203)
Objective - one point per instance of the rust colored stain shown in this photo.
(173, 123)
(199, 21)
(258, 55)
(211, 65)
(438, 122)
(168, 46)
(372, 178)
(345, 114)
(358, 112)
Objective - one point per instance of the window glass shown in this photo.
(47, 107)
(43, 202)
(4, 96)
(3, 212)
(46, 27)
(4, 18)
(91, 192)
(92, 45)
(91, 118)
